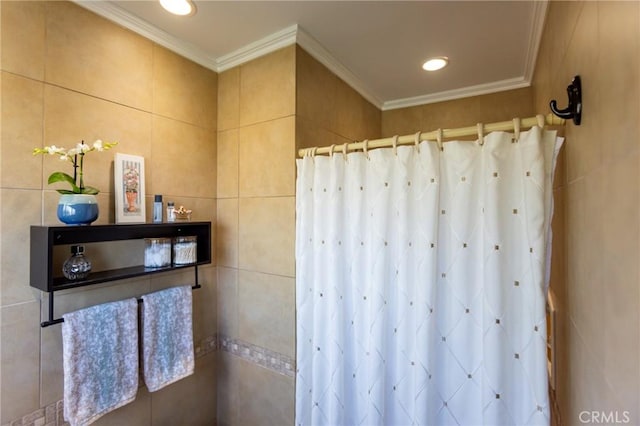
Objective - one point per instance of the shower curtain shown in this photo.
(421, 283)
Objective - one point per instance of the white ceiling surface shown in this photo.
(377, 47)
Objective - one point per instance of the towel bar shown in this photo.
(52, 321)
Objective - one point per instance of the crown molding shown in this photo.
(535, 36)
(265, 45)
(153, 33)
(465, 92)
(295, 34)
(322, 55)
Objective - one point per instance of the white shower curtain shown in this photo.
(420, 283)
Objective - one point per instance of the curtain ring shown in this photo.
(417, 141)
(516, 129)
(480, 127)
(395, 145)
(331, 148)
(345, 149)
(313, 151)
(439, 139)
(541, 121)
(365, 148)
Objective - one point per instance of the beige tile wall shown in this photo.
(464, 112)
(596, 277)
(268, 108)
(255, 230)
(328, 110)
(68, 75)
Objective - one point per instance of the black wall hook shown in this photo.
(574, 110)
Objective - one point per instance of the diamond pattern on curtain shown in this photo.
(420, 283)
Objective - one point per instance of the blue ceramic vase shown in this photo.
(77, 209)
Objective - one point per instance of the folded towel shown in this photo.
(100, 360)
(167, 337)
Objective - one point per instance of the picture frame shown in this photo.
(129, 188)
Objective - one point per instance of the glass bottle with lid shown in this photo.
(157, 252)
(185, 250)
(77, 266)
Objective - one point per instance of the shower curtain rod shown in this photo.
(540, 120)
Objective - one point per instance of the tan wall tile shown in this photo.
(228, 381)
(620, 252)
(619, 56)
(267, 87)
(190, 401)
(182, 160)
(585, 285)
(51, 370)
(267, 317)
(71, 117)
(267, 235)
(582, 56)
(92, 55)
(227, 297)
(98, 85)
(183, 90)
(137, 412)
(205, 303)
(266, 156)
(329, 104)
(20, 210)
(202, 210)
(23, 38)
(229, 99)
(353, 115)
(20, 352)
(588, 382)
(265, 397)
(228, 163)
(21, 132)
(502, 106)
(600, 42)
(316, 91)
(227, 233)
(402, 121)
(309, 135)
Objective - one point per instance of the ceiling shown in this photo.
(377, 47)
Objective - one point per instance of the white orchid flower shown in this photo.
(76, 181)
(83, 148)
(53, 149)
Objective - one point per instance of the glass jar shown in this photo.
(77, 266)
(157, 252)
(185, 250)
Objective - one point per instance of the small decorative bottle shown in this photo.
(171, 213)
(77, 266)
(157, 209)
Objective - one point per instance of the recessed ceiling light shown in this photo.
(435, 64)
(179, 7)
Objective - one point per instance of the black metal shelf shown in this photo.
(45, 238)
(61, 283)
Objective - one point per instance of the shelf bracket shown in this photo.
(52, 321)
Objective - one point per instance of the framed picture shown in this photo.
(129, 188)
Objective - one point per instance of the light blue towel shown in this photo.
(100, 360)
(167, 336)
